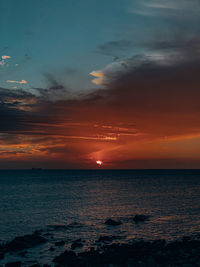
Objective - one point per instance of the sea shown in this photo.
(71, 204)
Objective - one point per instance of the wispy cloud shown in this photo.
(175, 8)
(19, 82)
(99, 76)
(5, 57)
(2, 63)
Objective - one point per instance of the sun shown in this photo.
(99, 162)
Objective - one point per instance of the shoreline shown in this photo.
(183, 252)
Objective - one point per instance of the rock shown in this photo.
(158, 244)
(67, 257)
(59, 243)
(198, 263)
(23, 254)
(13, 264)
(25, 242)
(48, 234)
(2, 255)
(78, 240)
(112, 222)
(76, 244)
(187, 265)
(140, 218)
(38, 232)
(51, 248)
(150, 262)
(35, 265)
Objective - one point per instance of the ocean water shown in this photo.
(80, 202)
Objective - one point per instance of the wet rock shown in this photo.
(112, 222)
(23, 254)
(187, 265)
(59, 243)
(25, 242)
(79, 240)
(140, 218)
(38, 232)
(67, 257)
(47, 234)
(2, 255)
(138, 253)
(158, 244)
(90, 258)
(51, 248)
(77, 244)
(150, 262)
(35, 265)
(13, 264)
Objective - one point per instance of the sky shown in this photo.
(115, 81)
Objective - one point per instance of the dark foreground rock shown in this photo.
(13, 264)
(112, 222)
(141, 253)
(20, 243)
(140, 218)
(77, 244)
(2, 255)
(67, 257)
(59, 243)
(24, 242)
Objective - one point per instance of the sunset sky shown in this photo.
(116, 81)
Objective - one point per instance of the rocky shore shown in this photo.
(106, 250)
(184, 252)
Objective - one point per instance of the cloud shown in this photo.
(172, 8)
(5, 57)
(162, 58)
(2, 63)
(19, 82)
(99, 77)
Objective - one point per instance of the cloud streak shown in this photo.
(19, 82)
(5, 57)
(177, 9)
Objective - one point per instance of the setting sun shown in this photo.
(99, 162)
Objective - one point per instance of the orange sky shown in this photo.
(149, 118)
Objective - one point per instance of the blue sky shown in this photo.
(58, 37)
(62, 38)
